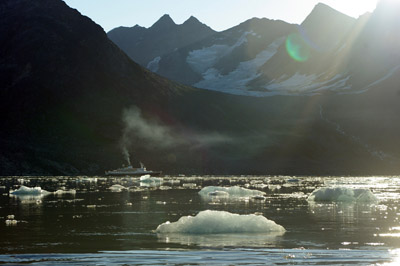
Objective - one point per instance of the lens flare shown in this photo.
(297, 48)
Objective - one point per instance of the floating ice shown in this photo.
(147, 180)
(61, 191)
(220, 222)
(231, 192)
(11, 222)
(343, 194)
(117, 188)
(35, 191)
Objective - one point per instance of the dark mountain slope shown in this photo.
(64, 84)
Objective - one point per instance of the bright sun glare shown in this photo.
(353, 8)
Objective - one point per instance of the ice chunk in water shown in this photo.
(11, 222)
(236, 191)
(61, 191)
(343, 194)
(150, 179)
(35, 191)
(117, 188)
(220, 222)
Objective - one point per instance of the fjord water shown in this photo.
(98, 225)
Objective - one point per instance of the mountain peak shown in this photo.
(164, 21)
(322, 9)
(323, 12)
(192, 20)
(193, 24)
(322, 6)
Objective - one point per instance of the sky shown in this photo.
(218, 14)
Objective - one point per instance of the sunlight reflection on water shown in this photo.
(118, 226)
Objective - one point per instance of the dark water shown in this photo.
(95, 226)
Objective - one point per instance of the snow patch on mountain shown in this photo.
(296, 85)
(301, 83)
(203, 59)
(242, 39)
(237, 79)
(153, 65)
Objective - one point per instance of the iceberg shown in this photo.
(117, 188)
(150, 179)
(35, 191)
(220, 222)
(229, 192)
(342, 194)
(62, 191)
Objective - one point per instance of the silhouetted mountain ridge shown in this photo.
(164, 36)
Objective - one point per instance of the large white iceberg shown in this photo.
(220, 222)
(34, 191)
(231, 192)
(343, 194)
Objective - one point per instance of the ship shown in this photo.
(131, 171)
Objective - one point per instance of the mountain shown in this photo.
(329, 52)
(64, 85)
(72, 102)
(220, 60)
(147, 46)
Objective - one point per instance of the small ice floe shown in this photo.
(86, 180)
(258, 198)
(342, 194)
(35, 191)
(229, 192)
(117, 188)
(150, 181)
(11, 222)
(61, 192)
(220, 222)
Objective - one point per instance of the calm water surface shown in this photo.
(96, 226)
